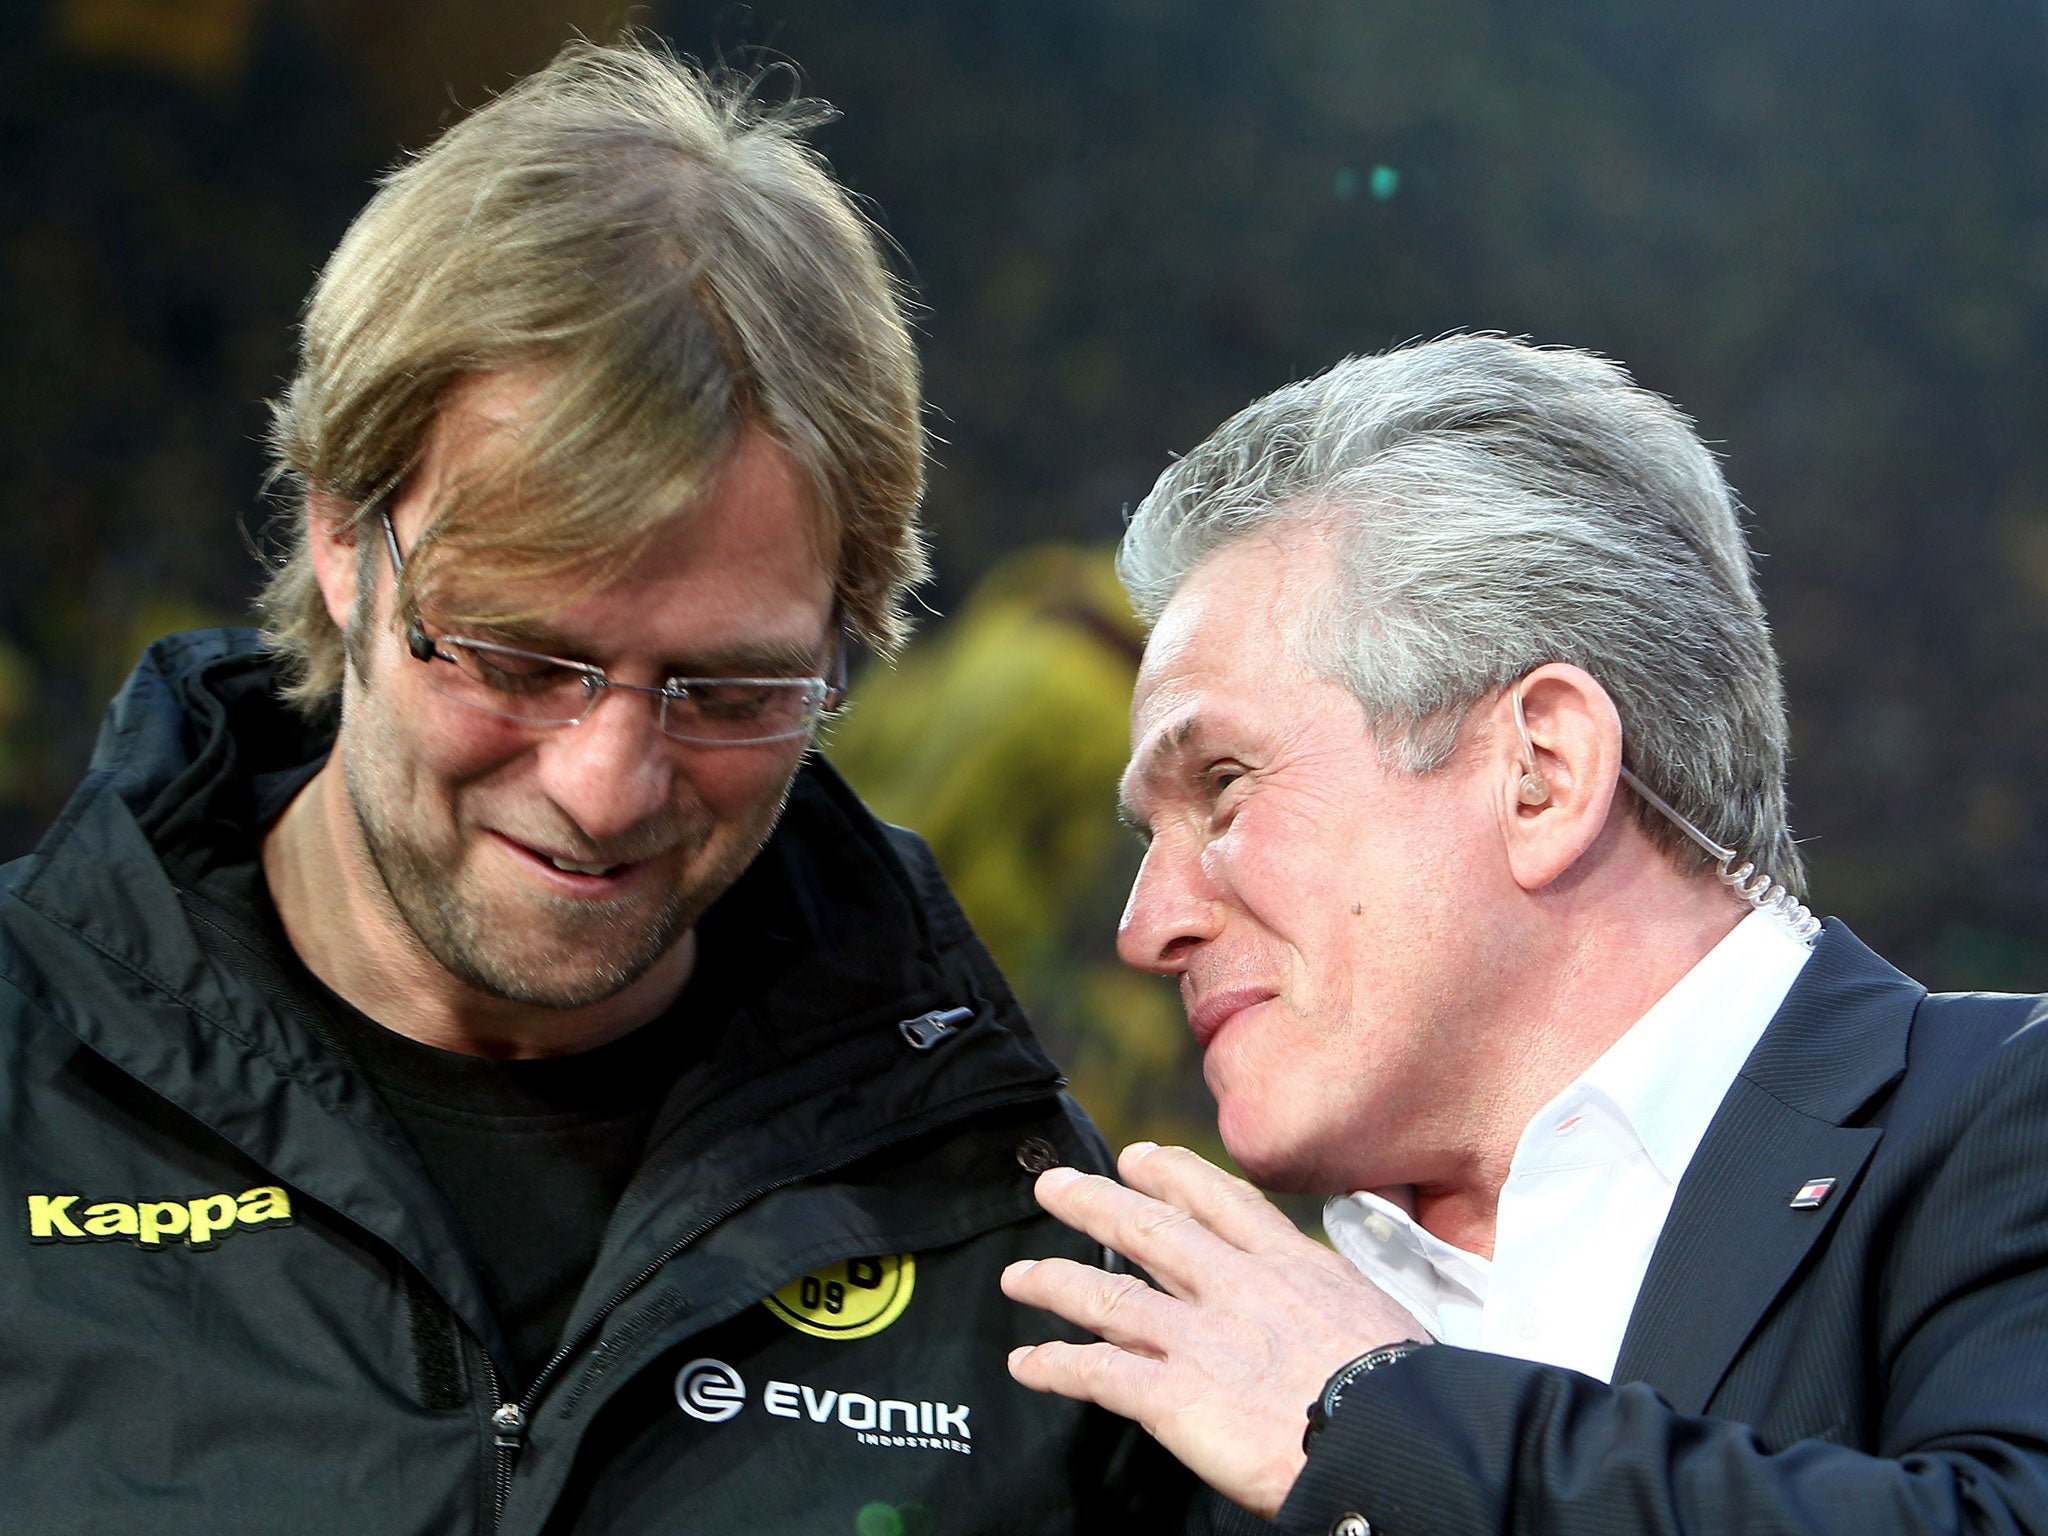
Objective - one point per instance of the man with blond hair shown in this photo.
(465, 1063)
(1656, 1205)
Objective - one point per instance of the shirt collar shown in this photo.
(1433, 1280)
(1667, 1075)
(1658, 1087)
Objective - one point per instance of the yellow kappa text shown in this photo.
(198, 1222)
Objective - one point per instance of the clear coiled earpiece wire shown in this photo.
(1755, 887)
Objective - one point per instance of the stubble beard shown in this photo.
(544, 952)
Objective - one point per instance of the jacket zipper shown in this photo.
(508, 1437)
(511, 1418)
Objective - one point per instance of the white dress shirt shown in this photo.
(1592, 1178)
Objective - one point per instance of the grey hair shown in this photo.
(1495, 506)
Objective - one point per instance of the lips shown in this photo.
(585, 874)
(1207, 1016)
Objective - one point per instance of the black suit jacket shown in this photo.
(1875, 1365)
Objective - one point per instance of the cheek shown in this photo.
(418, 748)
(1217, 865)
(1248, 858)
(738, 784)
(456, 752)
(1287, 878)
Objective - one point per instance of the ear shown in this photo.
(1556, 791)
(331, 542)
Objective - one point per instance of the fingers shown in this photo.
(1161, 1238)
(1209, 1389)
(1223, 1203)
(1094, 1373)
(1120, 1308)
(1251, 1319)
(1182, 1219)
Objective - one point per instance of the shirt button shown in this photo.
(1352, 1524)
(1378, 1228)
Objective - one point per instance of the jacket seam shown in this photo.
(171, 995)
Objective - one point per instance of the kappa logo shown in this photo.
(710, 1390)
(199, 1222)
(849, 1300)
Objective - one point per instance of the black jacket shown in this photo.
(234, 1304)
(1866, 1360)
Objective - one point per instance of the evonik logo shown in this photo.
(199, 1222)
(712, 1391)
(892, 1421)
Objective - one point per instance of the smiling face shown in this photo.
(465, 820)
(1325, 916)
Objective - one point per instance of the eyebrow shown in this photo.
(1130, 820)
(776, 658)
(1150, 765)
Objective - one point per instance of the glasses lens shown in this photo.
(736, 710)
(518, 685)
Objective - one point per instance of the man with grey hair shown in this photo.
(1458, 749)
(465, 1064)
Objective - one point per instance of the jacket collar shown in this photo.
(99, 933)
(1733, 1239)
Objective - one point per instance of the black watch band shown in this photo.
(1324, 1407)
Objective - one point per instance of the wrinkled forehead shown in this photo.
(1249, 605)
(506, 514)
(1228, 645)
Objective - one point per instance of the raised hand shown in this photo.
(1220, 1359)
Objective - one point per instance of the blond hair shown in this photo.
(677, 264)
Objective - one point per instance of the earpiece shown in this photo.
(1532, 790)
(1757, 889)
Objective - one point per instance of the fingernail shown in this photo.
(1141, 1149)
(1019, 1269)
(1058, 1178)
(1018, 1354)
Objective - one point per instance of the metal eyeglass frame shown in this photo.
(821, 694)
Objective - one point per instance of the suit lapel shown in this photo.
(1733, 1240)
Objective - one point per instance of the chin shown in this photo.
(558, 975)
(1274, 1157)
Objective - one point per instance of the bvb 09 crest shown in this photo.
(847, 1300)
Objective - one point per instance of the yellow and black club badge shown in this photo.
(848, 1300)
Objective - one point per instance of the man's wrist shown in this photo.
(1325, 1406)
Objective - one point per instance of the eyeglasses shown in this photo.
(539, 690)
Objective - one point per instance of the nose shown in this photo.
(1172, 909)
(613, 769)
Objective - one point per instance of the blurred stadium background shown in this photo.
(1821, 226)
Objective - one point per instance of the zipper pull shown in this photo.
(508, 1427)
(928, 1029)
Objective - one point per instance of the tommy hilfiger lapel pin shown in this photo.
(1812, 1193)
